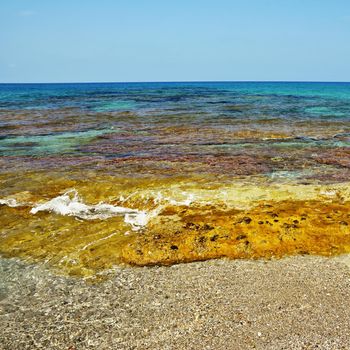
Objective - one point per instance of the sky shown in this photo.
(178, 40)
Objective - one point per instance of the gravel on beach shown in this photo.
(300, 302)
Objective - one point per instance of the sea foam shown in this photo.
(71, 204)
(11, 202)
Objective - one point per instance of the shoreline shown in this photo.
(298, 302)
(87, 228)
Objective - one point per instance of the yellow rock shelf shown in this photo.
(178, 234)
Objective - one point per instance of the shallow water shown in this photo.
(94, 175)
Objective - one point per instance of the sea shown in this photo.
(98, 174)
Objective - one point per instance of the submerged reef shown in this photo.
(94, 175)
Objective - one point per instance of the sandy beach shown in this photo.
(297, 302)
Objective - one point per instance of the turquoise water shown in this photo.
(48, 144)
(309, 99)
(141, 128)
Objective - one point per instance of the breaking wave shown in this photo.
(71, 204)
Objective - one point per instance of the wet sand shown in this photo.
(300, 302)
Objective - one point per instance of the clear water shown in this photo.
(171, 172)
(30, 113)
(308, 99)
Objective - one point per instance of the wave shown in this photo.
(72, 205)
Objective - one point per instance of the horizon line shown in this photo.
(175, 81)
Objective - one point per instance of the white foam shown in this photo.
(71, 204)
(186, 202)
(328, 193)
(136, 219)
(11, 202)
(189, 198)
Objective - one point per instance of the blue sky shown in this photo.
(179, 40)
